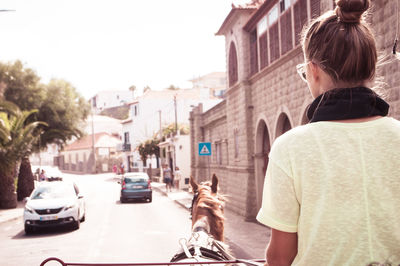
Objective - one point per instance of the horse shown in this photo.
(207, 214)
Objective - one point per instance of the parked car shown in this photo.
(55, 203)
(136, 186)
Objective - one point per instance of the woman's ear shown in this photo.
(315, 79)
(314, 71)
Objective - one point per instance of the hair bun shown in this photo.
(350, 11)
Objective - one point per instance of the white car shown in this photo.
(54, 204)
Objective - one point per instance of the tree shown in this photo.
(170, 129)
(65, 111)
(26, 183)
(133, 90)
(148, 148)
(173, 88)
(59, 105)
(16, 139)
(21, 85)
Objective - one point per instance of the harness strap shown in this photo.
(205, 253)
(222, 249)
(197, 251)
(185, 248)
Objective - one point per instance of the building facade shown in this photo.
(265, 95)
(108, 99)
(176, 149)
(91, 154)
(155, 110)
(215, 81)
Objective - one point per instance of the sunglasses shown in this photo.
(301, 70)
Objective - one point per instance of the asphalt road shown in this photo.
(113, 232)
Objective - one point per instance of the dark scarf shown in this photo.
(348, 103)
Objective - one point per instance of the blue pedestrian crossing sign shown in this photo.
(204, 148)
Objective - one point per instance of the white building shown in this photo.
(108, 99)
(45, 157)
(100, 123)
(215, 81)
(156, 109)
(177, 149)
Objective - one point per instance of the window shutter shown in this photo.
(286, 32)
(300, 18)
(315, 8)
(263, 50)
(233, 67)
(274, 41)
(253, 53)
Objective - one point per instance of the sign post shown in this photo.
(205, 150)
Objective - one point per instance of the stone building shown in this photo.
(265, 96)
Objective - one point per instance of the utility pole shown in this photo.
(161, 133)
(176, 134)
(176, 116)
(93, 148)
(40, 156)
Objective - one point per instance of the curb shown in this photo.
(10, 219)
(159, 189)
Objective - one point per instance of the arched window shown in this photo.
(233, 65)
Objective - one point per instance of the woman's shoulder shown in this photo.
(293, 135)
(298, 137)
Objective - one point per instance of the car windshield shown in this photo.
(136, 179)
(53, 192)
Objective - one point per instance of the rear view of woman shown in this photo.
(332, 187)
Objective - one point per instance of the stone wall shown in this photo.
(277, 97)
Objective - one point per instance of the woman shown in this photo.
(332, 187)
(177, 178)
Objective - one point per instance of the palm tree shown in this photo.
(16, 138)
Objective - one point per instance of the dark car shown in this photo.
(136, 186)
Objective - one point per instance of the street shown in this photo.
(113, 232)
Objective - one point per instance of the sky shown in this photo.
(102, 45)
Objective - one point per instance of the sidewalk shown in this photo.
(12, 214)
(250, 237)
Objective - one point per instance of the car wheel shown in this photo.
(28, 230)
(83, 217)
(150, 198)
(122, 200)
(76, 224)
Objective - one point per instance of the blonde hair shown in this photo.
(341, 42)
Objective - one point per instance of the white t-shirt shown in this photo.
(338, 186)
